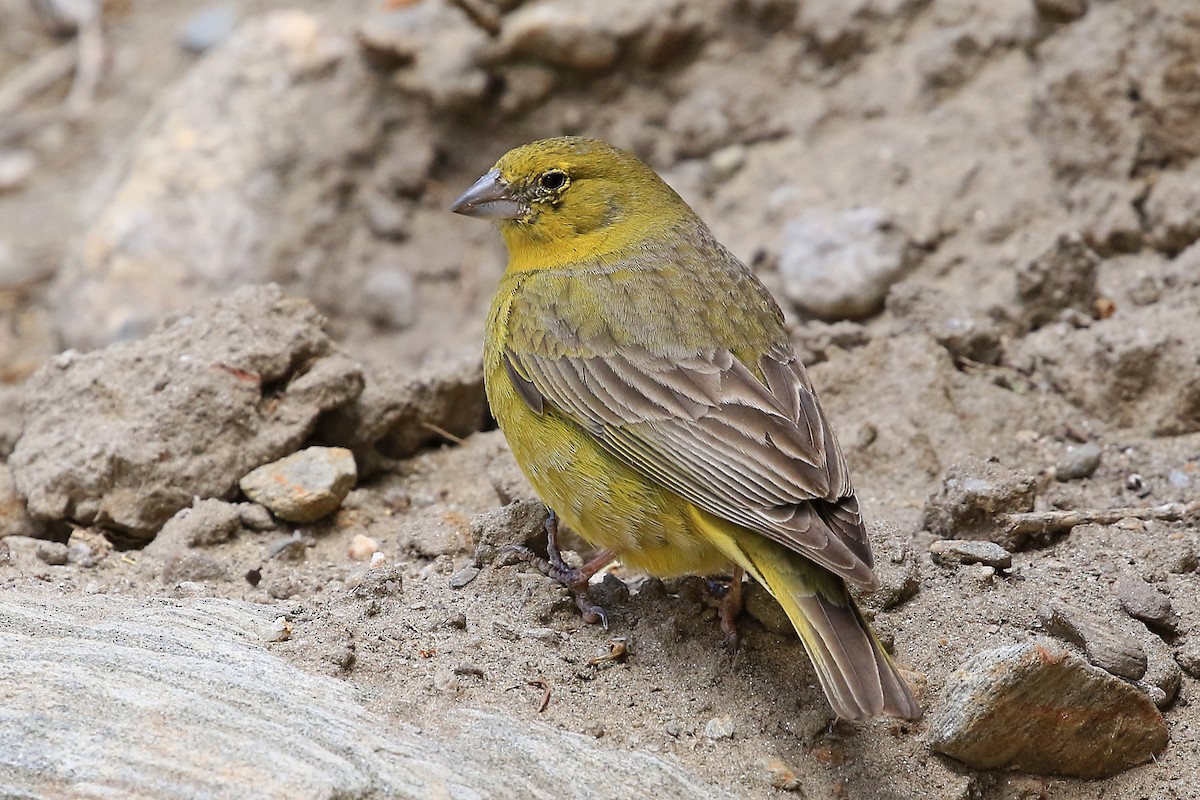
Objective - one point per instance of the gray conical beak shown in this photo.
(490, 198)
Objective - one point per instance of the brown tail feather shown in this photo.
(857, 675)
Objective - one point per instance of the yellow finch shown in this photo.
(645, 381)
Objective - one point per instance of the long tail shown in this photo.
(858, 676)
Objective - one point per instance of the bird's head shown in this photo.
(569, 200)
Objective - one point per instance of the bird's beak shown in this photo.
(490, 197)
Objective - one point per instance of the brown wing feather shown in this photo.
(758, 452)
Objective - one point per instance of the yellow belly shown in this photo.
(600, 498)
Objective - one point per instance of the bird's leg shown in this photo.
(731, 606)
(575, 579)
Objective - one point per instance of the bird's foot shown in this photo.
(731, 606)
(574, 578)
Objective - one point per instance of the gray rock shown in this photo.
(1035, 707)
(955, 551)
(1163, 676)
(1142, 601)
(839, 264)
(1105, 645)
(1063, 277)
(1188, 657)
(464, 576)
(719, 728)
(973, 495)
(519, 523)
(255, 517)
(557, 34)
(207, 27)
(304, 486)
(206, 523)
(87, 547)
(52, 553)
(209, 409)
(586, 37)
(247, 724)
(201, 204)
(1079, 462)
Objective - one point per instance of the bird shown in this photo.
(646, 384)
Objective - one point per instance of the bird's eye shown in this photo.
(553, 180)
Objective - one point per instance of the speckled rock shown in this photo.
(1035, 707)
(304, 486)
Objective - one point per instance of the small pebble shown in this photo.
(1142, 601)
(1179, 478)
(52, 553)
(280, 630)
(1137, 484)
(16, 167)
(255, 517)
(207, 27)
(362, 548)
(726, 162)
(966, 551)
(464, 576)
(719, 728)
(542, 635)
(304, 486)
(779, 774)
(290, 548)
(1079, 462)
(377, 560)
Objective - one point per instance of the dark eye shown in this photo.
(553, 180)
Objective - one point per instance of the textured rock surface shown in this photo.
(397, 415)
(195, 211)
(1106, 645)
(951, 551)
(193, 689)
(973, 496)
(233, 384)
(1036, 708)
(304, 486)
(14, 519)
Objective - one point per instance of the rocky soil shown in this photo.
(252, 504)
